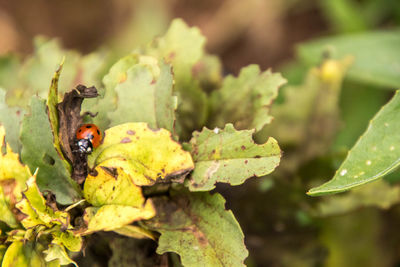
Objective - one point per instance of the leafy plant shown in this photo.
(141, 181)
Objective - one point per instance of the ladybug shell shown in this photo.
(90, 132)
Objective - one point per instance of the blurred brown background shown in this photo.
(241, 32)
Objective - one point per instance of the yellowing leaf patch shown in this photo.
(13, 176)
(112, 186)
(38, 213)
(11, 167)
(116, 199)
(145, 154)
(110, 217)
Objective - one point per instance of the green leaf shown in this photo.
(38, 213)
(116, 75)
(375, 154)
(52, 101)
(146, 95)
(57, 253)
(229, 156)
(146, 155)
(22, 255)
(376, 55)
(198, 228)
(377, 194)
(38, 152)
(183, 47)
(11, 118)
(246, 99)
(68, 239)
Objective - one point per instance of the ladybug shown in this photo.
(89, 137)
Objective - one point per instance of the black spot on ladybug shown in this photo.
(80, 130)
(88, 126)
(98, 132)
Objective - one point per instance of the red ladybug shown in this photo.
(89, 137)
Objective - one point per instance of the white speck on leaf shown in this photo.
(216, 130)
(343, 172)
(391, 148)
(368, 162)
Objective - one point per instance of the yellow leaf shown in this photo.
(112, 186)
(145, 154)
(13, 176)
(111, 217)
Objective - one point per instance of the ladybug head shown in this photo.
(85, 146)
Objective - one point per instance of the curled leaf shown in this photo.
(52, 101)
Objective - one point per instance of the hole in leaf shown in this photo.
(48, 159)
